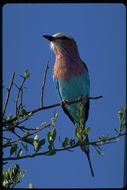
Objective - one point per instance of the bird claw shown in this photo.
(82, 99)
(64, 103)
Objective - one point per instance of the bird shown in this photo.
(72, 81)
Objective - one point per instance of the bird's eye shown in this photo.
(62, 38)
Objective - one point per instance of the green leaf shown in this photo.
(29, 140)
(13, 149)
(48, 136)
(78, 131)
(66, 142)
(24, 112)
(36, 138)
(122, 114)
(26, 74)
(10, 117)
(54, 118)
(41, 142)
(51, 135)
(72, 142)
(31, 186)
(5, 184)
(54, 134)
(103, 138)
(7, 175)
(36, 146)
(20, 152)
(36, 143)
(26, 134)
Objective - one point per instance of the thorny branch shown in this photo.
(8, 93)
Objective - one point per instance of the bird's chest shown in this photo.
(67, 67)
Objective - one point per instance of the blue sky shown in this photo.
(99, 30)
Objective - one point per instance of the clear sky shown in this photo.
(99, 30)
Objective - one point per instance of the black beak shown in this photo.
(50, 38)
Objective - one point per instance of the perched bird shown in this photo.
(71, 79)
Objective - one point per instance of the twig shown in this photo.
(46, 153)
(7, 138)
(26, 128)
(21, 98)
(95, 98)
(15, 134)
(19, 91)
(43, 85)
(8, 93)
(30, 134)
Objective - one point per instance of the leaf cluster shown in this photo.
(12, 176)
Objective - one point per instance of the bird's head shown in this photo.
(60, 42)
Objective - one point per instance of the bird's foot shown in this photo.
(64, 103)
(82, 99)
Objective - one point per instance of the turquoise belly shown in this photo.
(71, 90)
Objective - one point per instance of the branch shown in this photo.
(8, 93)
(48, 152)
(59, 104)
(107, 141)
(45, 108)
(53, 151)
(43, 85)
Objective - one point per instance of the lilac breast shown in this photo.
(67, 67)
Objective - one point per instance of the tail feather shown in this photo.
(85, 148)
(88, 157)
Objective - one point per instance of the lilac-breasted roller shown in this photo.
(71, 79)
